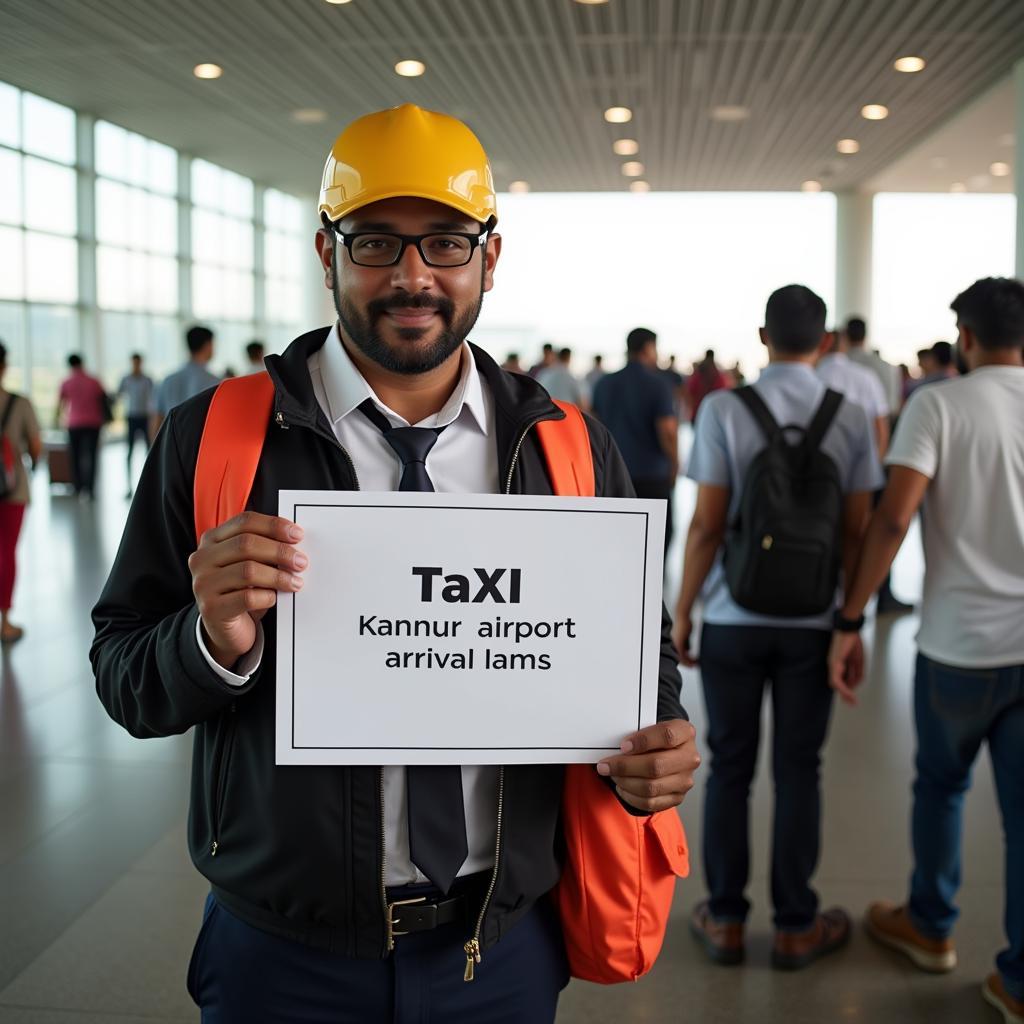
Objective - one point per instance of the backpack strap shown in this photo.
(822, 419)
(566, 445)
(8, 409)
(230, 449)
(755, 403)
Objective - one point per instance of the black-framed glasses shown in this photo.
(437, 249)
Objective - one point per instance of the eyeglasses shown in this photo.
(380, 249)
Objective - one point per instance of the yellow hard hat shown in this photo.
(408, 151)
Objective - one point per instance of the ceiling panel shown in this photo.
(532, 77)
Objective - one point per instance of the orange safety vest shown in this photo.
(616, 888)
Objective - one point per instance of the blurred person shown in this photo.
(594, 374)
(925, 363)
(191, 379)
(737, 378)
(854, 336)
(136, 390)
(512, 363)
(255, 352)
(705, 379)
(561, 383)
(744, 652)
(547, 358)
(907, 381)
(83, 406)
(959, 450)
(676, 382)
(937, 363)
(20, 432)
(636, 406)
(859, 385)
(852, 341)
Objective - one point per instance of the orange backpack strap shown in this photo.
(229, 452)
(566, 445)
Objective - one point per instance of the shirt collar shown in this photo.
(777, 369)
(346, 388)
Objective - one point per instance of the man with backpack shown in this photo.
(785, 471)
(362, 893)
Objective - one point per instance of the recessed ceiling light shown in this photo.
(339, 1)
(592, 3)
(410, 68)
(811, 186)
(639, 186)
(1007, 140)
(874, 112)
(999, 169)
(938, 163)
(848, 146)
(309, 115)
(730, 113)
(519, 186)
(908, 65)
(618, 115)
(958, 186)
(632, 168)
(207, 71)
(626, 147)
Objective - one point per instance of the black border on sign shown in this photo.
(479, 508)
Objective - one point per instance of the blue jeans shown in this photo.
(737, 664)
(955, 710)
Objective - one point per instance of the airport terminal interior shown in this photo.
(159, 168)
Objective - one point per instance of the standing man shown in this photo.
(561, 383)
(83, 406)
(191, 379)
(311, 868)
(744, 652)
(705, 379)
(859, 385)
(853, 341)
(594, 374)
(636, 406)
(255, 352)
(136, 389)
(959, 449)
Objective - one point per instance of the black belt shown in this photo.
(407, 913)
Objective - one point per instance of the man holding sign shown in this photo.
(313, 866)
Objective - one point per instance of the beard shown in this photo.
(406, 356)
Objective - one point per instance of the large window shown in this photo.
(223, 245)
(927, 248)
(38, 246)
(286, 243)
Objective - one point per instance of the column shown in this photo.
(1018, 164)
(854, 212)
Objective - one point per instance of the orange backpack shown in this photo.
(616, 888)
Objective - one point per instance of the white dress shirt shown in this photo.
(464, 460)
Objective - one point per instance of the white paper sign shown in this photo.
(468, 629)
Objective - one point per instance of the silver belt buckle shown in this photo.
(392, 920)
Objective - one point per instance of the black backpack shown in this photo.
(783, 553)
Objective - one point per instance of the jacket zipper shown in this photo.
(516, 450)
(472, 947)
(389, 941)
(221, 785)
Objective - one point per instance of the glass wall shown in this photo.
(39, 320)
(177, 241)
(926, 250)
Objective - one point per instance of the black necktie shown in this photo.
(437, 815)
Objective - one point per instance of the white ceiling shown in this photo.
(531, 76)
(962, 150)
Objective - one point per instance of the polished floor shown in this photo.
(99, 904)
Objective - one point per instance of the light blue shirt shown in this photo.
(190, 380)
(728, 438)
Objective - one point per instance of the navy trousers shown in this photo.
(242, 975)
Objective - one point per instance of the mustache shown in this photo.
(378, 307)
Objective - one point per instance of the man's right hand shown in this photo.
(236, 573)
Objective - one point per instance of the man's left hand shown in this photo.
(656, 766)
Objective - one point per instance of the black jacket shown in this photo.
(298, 850)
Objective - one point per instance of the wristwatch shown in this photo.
(843, 625)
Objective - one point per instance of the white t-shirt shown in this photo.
(967, 436)
(857, 383)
